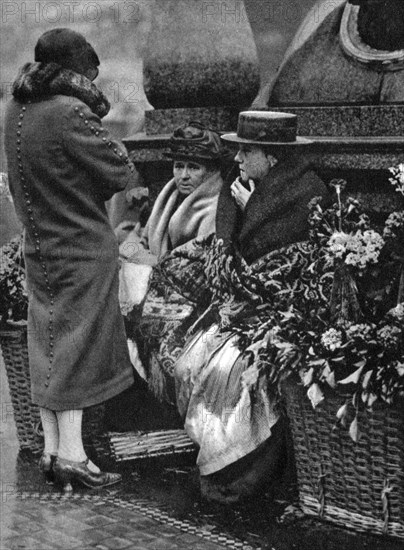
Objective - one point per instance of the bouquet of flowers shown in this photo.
(350, 342)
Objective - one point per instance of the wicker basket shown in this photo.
(26, 415)
(357, 485)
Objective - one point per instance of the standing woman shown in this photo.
(63, 166)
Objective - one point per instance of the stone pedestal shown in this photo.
(200, 54)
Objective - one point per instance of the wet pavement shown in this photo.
(158, 506)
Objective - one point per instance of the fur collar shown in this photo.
(37, 81)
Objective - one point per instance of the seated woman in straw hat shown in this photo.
(224, 402)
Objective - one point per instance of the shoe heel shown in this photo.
(67, 489)
(46, 463)
(63, 479)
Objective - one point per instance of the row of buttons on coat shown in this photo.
(97, 131)
(35, 233)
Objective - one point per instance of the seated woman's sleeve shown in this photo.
(91, 146)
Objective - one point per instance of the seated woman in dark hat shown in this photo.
(223, 400)
(184, 209)
(186, 206)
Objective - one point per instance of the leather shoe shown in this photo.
(69, 473)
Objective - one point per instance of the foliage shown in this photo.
(352, 346)
(13, 292)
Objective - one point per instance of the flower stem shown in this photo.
(400, 297)
(338, 190)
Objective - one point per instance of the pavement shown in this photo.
(157, 507)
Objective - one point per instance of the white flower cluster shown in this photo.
(397, 312)
(360, 330)
(389, 335)
(394, 223)
(332, 339)
(356, 249)
(398, 179)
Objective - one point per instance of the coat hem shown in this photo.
(96, 399)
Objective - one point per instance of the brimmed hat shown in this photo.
(65, 47)
(194, 142)
(267, 128)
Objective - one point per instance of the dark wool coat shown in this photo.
(63, 166)
(276, 213)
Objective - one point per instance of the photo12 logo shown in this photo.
(70, 12)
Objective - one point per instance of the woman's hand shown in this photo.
(240, 194)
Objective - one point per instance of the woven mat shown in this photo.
(140, 445)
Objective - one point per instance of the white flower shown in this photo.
(397, 312)
(331, 339)
(351, 259)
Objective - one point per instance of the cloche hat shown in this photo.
(65, 47)
(194, 142)
(267, 128)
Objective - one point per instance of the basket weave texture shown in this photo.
(356, 485)
(26, 414)
(140, 445)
